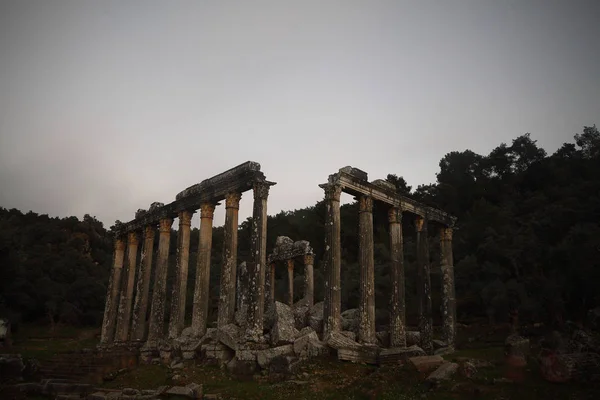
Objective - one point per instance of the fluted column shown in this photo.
(256, 270)
(366, 306)
(139, 324)
(270, 285)
(202, 289)
(290, 276)
(424, 286)
(229, 266)
(179, 293)
(112, 294)
(124, 317)
(397, 314)
(333, 301)
(309, 281)
(448, 295)
(157, 310)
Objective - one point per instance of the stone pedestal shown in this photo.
(366, 305)
(202, 289)
(333, 301)
(256, 270)
(290, 279)
(229, 266)
(139, 325)
(424, 286)
(448, 296)
(124, 316)
(179, 293)
(157, 310)
(397, 309)
(112, 295)
(309, 280)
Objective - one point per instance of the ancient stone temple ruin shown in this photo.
(253, 329)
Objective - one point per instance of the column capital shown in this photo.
(149, 231)
(332, 192)
(365, 204)
(309, 259)
(445, 233)
(290, 263)
(232, 200)
(164, 225)
(395, 215)
(185, 218)
(261, 190)
(420, 224)
(133, 238)
(207, 210)
(119, 243)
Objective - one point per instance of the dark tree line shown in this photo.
(527, 238)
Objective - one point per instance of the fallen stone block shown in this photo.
(197, 389)
(264, 357)
(350, 320)
(438, 344)
(443, 373)
(350, 335)
(284, 330)
(413, 337)
(301, 344)
(339, 341)
(285, 365)
(179, 391)
(97, 396)
(315, 317)
(426, 363)
(383, 338)
(229, 335)
(397, 355)
(365, 354)
(300, 311)
(305, 331)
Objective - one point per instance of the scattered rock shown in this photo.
(315, 317)
(398, 355)
(443, 373)
(181, 391)
(426, 363)
(264, 357)
(300, 310)
(229, 335)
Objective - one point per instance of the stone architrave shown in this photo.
(226, 312)
(157, 310)
(112, 295)
(202, 289)
(366, 306)
(424, 286)
(397, 309)
(290, 276)
(256, 271)
(309, 281)
(333, 300)
(179, 293)
(448, 295)
(124, 316)
(139, 324)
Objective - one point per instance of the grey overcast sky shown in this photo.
(107, 106)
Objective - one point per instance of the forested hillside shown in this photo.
(527, 238)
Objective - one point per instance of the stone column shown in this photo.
(112, 294)
(290, 274)
(366, 306)
(448, 296)
(309, 281)
(256, 270)
(270, 285)
(397, 309)
(229, 266)
(333, 301)
(139, 324)
(202, 289)
(124, 317)
(424, 286)
(157, 310)
(179, 293)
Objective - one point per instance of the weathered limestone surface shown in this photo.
(362, 354)
(256, 272)
(124, 316)
(157, 310)
(139, 325)
(202, 287)
(270, 286)
(315, 316)
(229, 335)
(426, 363)
(242, 294)
(351, 320)
(290, 276)
(284, 330)
(448, 295)
(366, 305)
(309, 280)
(337, 340)
(110, 309)
(424, 286)
(179, 293)
(397, 310)
(228, 268)
(332, 260)
(397, 355)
